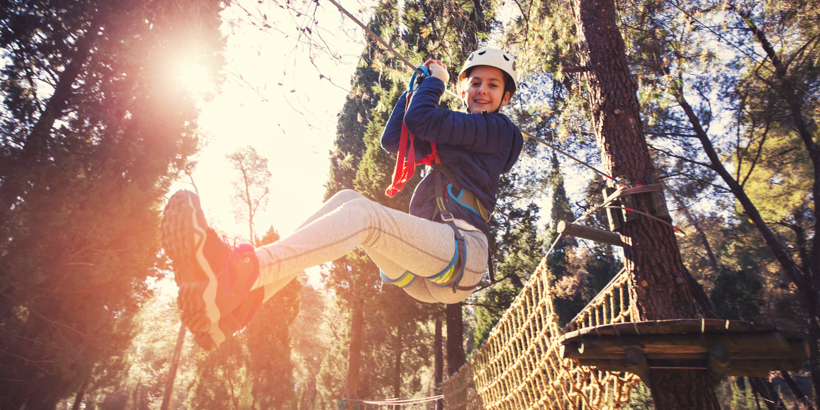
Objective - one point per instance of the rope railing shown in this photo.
(393, 402)
(520, 367)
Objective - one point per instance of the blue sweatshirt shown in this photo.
(477, 148)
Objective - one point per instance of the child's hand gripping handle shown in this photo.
(438, 70)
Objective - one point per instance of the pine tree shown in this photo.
(269, 364)
(620, 137)
(516, 245)
(766, 156)
(93, 131)
(359, 161)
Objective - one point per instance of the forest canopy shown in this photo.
(97, 125)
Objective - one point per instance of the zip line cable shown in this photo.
(527, 135)
(624, 189)
(554, 148)
(375, 36)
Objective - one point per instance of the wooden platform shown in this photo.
(724, 347)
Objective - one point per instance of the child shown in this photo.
(222, 287)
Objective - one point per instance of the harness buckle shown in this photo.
(446, 216)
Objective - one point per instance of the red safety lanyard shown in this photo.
(405, 159)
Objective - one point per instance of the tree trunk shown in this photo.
(172, 372)
(397, 380)
(137, 394)
(17, 172)
(249, 201)
(78, 398)
(455, 339)
(652, 258)
(439, 363)
(354, 358)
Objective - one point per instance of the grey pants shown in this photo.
(396, 241)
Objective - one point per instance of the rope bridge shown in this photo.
(520, 364)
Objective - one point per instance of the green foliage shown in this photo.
(640, 398)
(737, 295)
(577, 271)
(395, 326)
(516, 244)
(221, 380)
(491, 306)
(311, 339)
(136, 378)
(269, 363)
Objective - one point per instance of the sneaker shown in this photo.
(214, 278)
(236, 321)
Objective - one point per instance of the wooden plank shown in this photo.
(750, 368)
(695, 343)
(614, 216)
(637, 364)
(794, 354)
(674, 326)
(799, 351)
(586, 232)
(609, 365)
(717, 361)
(658, 200)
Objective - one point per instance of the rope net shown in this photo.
(520, 364)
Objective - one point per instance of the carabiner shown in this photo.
(424, 74)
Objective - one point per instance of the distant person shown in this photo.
(436, 253)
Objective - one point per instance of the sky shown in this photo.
(274, 100)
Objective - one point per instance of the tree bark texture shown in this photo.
(354, 358)
(455, 339)
(438, 375)
(172, 372)
(652, 258)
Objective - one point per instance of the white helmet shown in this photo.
(492, 57)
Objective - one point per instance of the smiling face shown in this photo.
(483, 90)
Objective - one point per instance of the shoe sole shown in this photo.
(184, 231)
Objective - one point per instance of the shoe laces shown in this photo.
(235, 252)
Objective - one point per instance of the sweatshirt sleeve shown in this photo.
(391, 136)
(470, 132)
(392, 131)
